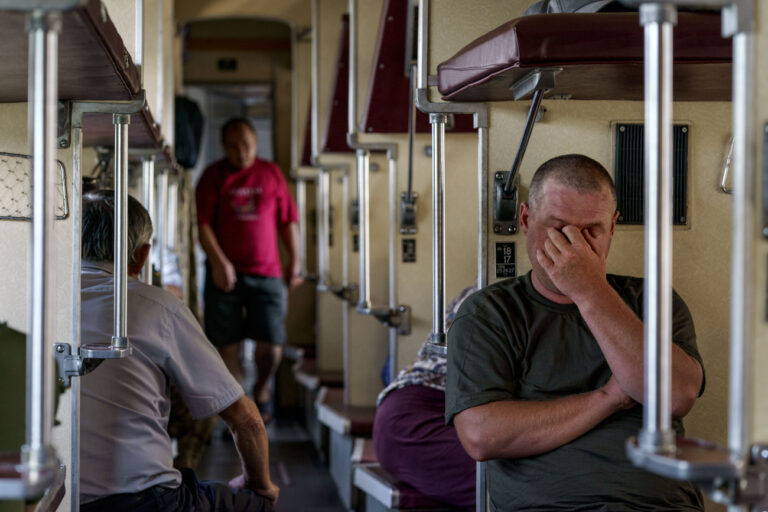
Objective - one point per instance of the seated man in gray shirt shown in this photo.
(125, 454)
(545, 371)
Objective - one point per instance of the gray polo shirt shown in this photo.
(124, 445)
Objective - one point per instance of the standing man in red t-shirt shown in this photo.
(243, 203)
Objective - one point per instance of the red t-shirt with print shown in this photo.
(244, 208)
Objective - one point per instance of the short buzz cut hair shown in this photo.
(237, 121)
(575, 171)
(98, 227)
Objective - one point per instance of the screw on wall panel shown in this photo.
(496, 228)
(622, 128)
(59, 348)
(499, 176)
(511, 229)
(685, 129)
(62, 143)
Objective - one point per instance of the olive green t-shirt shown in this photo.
(508, 342)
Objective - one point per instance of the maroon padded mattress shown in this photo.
(596, 56)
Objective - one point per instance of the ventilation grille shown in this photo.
(630, 176)
(16, 188)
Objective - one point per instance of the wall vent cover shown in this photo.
(629, 174)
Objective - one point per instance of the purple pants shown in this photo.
(415, 446)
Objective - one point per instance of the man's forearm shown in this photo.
(251, 441)
(516, 429)
(210, 244)
(289, 234)
(619, 332)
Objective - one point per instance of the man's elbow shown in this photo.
(475, 441)
(683, 400)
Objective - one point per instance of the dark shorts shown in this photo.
(190, 496)
(255, 309)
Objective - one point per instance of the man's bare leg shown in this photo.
(231, 356)
(268, 358)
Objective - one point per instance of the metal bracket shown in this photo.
(65, 127)
(505, 205)
(354, 216)
(539, 79)
(726, 478)
(346, 293)
(133, 106)
(399, 318)
(72, 365)
(436, 348)
(408, 210)
(737, 15)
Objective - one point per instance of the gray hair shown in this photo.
(575, 171)
(98, 227)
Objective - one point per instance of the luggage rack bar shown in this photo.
(735, 476)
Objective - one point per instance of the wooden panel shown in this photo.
(93, 62)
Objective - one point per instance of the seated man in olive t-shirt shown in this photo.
(545, 371)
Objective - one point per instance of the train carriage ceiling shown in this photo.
(297, 12)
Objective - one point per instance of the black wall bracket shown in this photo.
(504, 205)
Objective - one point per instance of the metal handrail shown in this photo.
(480, 114)
(397, 317)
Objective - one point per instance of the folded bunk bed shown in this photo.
(597, 56)
(94, 65)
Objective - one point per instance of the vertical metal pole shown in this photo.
(438, 228)
(422, 49)
(482, 207)
(315, 82)
(77, 220)
(658, 20)
(392, 264)
(120, 253)
(162, 214)
(740, 396)
(295, 108)
(345, 282)
(323, 225)
(148, 184)
(173, 214)
(301, 200)
(352, 96)
(363, 174)
(160, 60)
(138, 48)
(37, 454)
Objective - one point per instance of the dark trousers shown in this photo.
(190, 496)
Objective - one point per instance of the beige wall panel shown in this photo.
(16, 258)
(123, 15)
(169, 71)
(153, 74)
(760, 401)
(202, 68)
(368, 339)
(330, 335)
(368, 19)
(414, 280)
